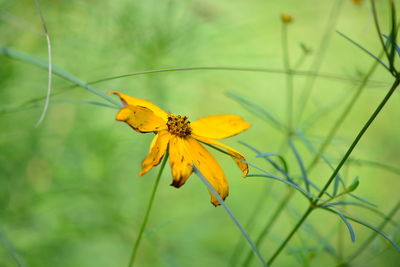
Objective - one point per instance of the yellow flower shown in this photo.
(180, 136)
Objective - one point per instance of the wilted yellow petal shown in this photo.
(141, 119)
(179, 160)
(157, 150)
(210, 168)
(237, 156)
(133, 101)
(219, 126)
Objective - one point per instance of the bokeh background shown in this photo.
(69, 190)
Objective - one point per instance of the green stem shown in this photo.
(333, 131)
(269, 225)
(240, 246)
(234, 259)
(343, 115)
(378, 29)
(340, 244)
(146, 216)
(319, 56)
(294, 230)
(338, 168)
(289, 77)
(360, 135)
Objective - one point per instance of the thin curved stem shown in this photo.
(50, 72)
(338, 168)
(224, 68)
(146, 216)
(269, 225)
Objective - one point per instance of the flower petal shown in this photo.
(133, 101)
(237, 156)
(141, 119)
(210, 168)
(157, 150)
(219, 126)
(179, 160)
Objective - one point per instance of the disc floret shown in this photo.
(179, 125)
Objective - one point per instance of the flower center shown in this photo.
(179, 125)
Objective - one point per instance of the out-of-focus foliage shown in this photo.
(69, 192)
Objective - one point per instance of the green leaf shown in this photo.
(266, 156)
(353, 186)
(352, 203)
(349, 227)
(384, 235)
(301, 165)
(311, 148)
(308, 195)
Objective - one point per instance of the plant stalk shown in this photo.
(338, 168)
(147, 215)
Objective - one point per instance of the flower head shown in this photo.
(181, 137)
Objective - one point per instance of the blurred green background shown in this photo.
(69, 190)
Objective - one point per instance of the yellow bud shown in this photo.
(286, 18)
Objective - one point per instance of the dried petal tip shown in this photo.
(286, 18)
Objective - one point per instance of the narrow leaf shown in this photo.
(361, 205)
(301, 165)
(312, 149)
(363, 200)
(267, 156)
(370, 227)
(292, 184)
(349, 227)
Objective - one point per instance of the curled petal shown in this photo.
(210, 168)
(157, 150)
(219, 126)
(179, 160)
(141, 119)
(133, 101)
(237, 156)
